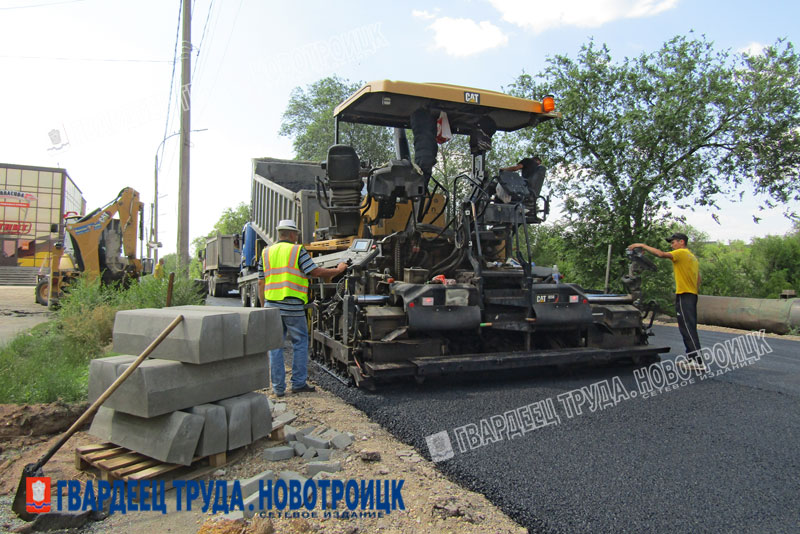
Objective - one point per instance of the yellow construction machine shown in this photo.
(102, 243)
(441, 277)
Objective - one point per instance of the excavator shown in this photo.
(101, 243)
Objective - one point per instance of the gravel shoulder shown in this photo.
(433, 503)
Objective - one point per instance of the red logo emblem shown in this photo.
(37, 495)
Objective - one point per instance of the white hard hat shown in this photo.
(288, 224)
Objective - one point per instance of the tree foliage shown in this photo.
(761, 269)
(308, 119)
(680, 126)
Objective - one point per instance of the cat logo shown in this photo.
(472, 98)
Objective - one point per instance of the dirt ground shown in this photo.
(19, 311)
(433, 503)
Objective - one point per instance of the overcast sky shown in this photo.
(99, 72)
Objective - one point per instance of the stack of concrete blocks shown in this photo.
(312, 444)
(194, 396)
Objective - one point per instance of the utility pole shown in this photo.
(154, 218)
(183, 187)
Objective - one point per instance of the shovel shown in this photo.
(35, 470)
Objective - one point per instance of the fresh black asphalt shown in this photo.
(717, 455)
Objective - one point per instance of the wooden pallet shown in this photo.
(118, 463)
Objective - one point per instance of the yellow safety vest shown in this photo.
(282, 275)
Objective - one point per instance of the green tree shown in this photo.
(232, 220)
(728, 270)
(676, 127)
(778, 264)
(308, 119)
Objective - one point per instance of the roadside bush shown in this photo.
(51, 361)
(44, 365)
(87, 312)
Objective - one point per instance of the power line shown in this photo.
(225, 52)
(211, 36)
(41, 5)
(172, 79)
(202, 36)
(108, 60)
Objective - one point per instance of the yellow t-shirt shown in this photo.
(686, 268)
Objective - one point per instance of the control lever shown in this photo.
(362, 262)
(637, 256)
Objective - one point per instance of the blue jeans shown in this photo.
(297, 330)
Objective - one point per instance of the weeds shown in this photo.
(51, 361)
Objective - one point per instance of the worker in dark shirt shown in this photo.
(532, 171)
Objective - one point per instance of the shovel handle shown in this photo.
(107, 393)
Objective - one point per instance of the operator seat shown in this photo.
(343, 165)
(344, 183)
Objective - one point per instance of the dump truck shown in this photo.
(102, 243)
(221, 262)
(441, 277)
(280, 189)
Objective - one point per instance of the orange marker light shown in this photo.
(548, 103)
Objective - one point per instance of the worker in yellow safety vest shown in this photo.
(283, 284)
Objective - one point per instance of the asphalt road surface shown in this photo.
(720, 454)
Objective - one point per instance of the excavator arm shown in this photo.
(99, 236)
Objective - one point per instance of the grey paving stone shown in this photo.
(252, 500)
(340, 441)
(273, 454)
(214, 437)
(292, 475)
(299, 448)
(250, 485)
(260, 416)
(328, 434)
(240, 426)
(262, 328)
(310, 453)
(170, 438)
(314, 441)
(290, 432)
(201, 337)
(283, 419)
(312, 468)
(236, 515)
(158, 386)
(103, 372)
(324, 455)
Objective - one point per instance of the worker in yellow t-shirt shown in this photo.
(687, 282)
(158, 272)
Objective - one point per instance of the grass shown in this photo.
(51, 361)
